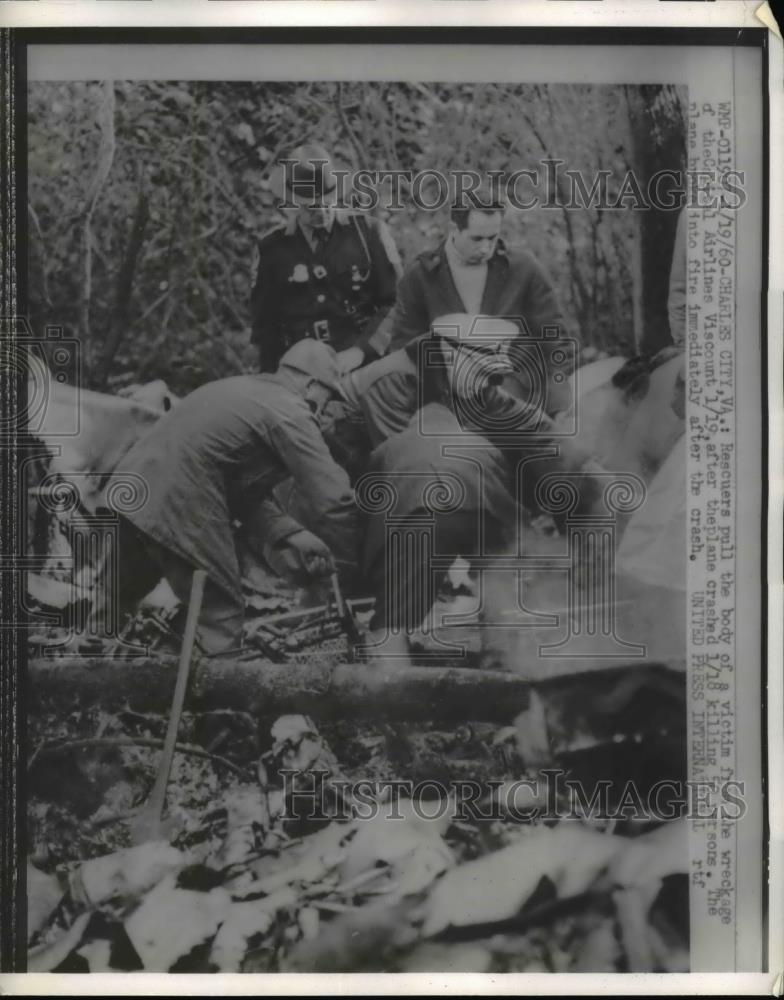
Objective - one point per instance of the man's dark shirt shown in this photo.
(338, 292)
(517, 287)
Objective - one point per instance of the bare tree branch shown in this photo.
(118, 322)
(105, 161)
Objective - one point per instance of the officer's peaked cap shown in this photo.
(314, 358)
(308, 171)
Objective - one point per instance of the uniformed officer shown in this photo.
(328, 273)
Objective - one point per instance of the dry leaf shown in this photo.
(497, 885)
(129, 872)
(415, 814)
(170, 922)
(639, 870)
(258, 602)
(411, 846)
(44, 892)
(631, 905)
(533, 741)
(247, 821)
(161, 597)
(53, 593)
(311, 868)
(653, 856)
(421, 869)
(48, 956)
(244, 805)
(243, 920)
(97, 955)
(598, 951)
(458, 575)
(297, 746)
(309, 921)
(308, 861)
(355, 940)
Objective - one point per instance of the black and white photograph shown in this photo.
(390, 477)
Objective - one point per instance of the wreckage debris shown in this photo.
(396, 890)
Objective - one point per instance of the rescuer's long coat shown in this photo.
(219, 453)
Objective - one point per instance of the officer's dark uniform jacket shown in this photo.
(338, 293)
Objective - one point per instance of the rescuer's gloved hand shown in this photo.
(351, 358)
(302, 557)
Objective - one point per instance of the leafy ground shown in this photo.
(243, 881)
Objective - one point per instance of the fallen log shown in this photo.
(325, 689)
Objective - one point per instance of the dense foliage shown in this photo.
(146, 200)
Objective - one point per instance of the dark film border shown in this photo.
(13, 301)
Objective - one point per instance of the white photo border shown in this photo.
(586, 17)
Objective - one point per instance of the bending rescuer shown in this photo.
(214, 460)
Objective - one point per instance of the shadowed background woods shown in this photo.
(146, 200)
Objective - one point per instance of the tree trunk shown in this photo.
(658, 143)
(324, 690)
